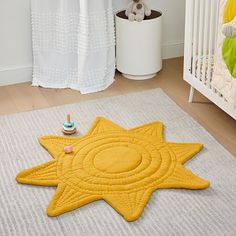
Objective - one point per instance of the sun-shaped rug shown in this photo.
(122, 167)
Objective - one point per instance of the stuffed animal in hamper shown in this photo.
(137, 10)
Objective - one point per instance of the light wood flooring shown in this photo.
(23, 97)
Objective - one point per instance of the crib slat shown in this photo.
(200, 39)
(195, 35)
(211, 41)
(188, 36)
(217, 9)
(215, 45)
(214, 18)
(205, 41)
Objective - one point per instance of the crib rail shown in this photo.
(200, 47)
(201, 36)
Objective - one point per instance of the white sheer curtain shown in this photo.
(73, 44)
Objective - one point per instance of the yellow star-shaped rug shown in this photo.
(122, 167)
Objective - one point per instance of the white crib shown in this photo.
(200, 44)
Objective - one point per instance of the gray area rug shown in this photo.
(169, 211)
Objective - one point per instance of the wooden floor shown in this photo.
(23, 97)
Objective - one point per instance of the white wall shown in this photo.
(15, 35)
(15, 41)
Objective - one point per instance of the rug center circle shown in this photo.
(117, 159)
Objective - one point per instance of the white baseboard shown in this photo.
(15, 75)
(172, 50)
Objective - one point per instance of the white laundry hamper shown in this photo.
(138, 46)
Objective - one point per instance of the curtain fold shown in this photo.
(73, 44)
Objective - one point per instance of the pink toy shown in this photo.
(68, 149)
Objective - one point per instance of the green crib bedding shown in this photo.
(224, 76)
(229, 55)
